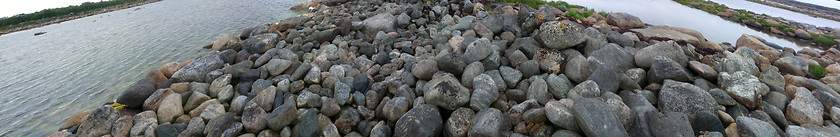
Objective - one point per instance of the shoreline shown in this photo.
(834, 18)
(373, 68)
(820, 37)
(54, 20)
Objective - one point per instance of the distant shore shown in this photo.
(803, 8)
(59, 19)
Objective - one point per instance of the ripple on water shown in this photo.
(51, 77)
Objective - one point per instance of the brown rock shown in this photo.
(180, 87)
(155, 99)
(170, 68)
(157, 76)
(752, 42)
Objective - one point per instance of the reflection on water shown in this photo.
(670, 13)
(81, 64)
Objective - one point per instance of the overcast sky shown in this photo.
(14, 7)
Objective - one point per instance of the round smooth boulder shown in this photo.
(560, 35)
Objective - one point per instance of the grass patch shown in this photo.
(824, 40)
(817, 71)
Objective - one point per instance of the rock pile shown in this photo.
(409, 68)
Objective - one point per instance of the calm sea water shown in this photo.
(81, 64)
(670, 13)
(777, 12)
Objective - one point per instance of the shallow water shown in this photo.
(777, 12)
(670, 13)
(81, 64)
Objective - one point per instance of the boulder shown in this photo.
(703, 70)
(445, 91)
(156, 98)
(752, 42)
(657, 33)
(260, 43)
(669, 124)
(615, 56)
(459, 122)
(381, 22)
(136, 95)
(99, 122)
(665, 68)
(550, 60)
(484, 92)
(792, 65)
(424, 69)
(489, 122)
(422, 121)
(645, 57)
(731, 63)
(561, 115)
(596, 118)
(170, 108)
(196, 70)
(560, 35)
(254, 118)
(804, 108)
(624, 20)
(684, 97)
(803, 34)
(743, 87)
(751, 127)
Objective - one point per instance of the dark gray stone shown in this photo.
(423, 121)
(596, 118)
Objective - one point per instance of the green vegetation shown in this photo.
(31, 18)
(116, 105)
(817, 71)
(824, 40)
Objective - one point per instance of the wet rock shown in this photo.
(361, 82)
(99, 122)
(488, 122)
(446, 92)
(751, 127)
(560, 35)
(170, 108)
(596, 118)
(134, 96)
(804, 109)
(665, 68)
(624, 20)
(645, 57)
(196, 70)
(743, 87)
(423, 121)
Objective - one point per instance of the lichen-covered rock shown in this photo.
(560, 34)
(743, 87)
(99, 122)
(446, 92)
(196, 70)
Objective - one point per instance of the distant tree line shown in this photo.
(49, 13)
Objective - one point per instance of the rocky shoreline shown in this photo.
(821, 37)
(414, 68)
(54, 20)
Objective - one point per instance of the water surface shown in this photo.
(777, 12)
(78, 65)
(670, 13)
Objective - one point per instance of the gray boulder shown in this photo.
(381, 22)
(560, 35)
(743, 87)
(99, 122)
(596, 118)
(423, 121)
(196, 70)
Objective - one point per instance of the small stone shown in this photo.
(510, 75)
(282, 116)
(587, 89)
(395, 108)
(488, 122)
(561, 116)
(459, 123)
(538, 91)
(751, 127)
(445, 91)
(596, 118)
(254, 118)
(478, 50)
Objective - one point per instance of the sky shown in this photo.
(826, 3)
(14, 7)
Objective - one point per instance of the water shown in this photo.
(670, 13)
(81, 64)
(777, 12)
